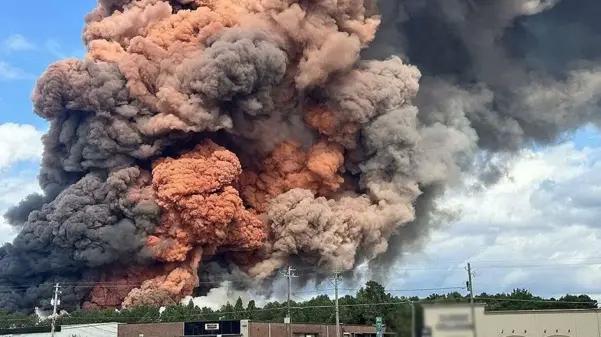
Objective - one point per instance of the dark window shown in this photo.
(199, 328)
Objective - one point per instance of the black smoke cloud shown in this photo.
(88, 225)
(520, 72)
(504, 74)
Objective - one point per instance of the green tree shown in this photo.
(227, 311)
(250, 309)
(371, 303)
(368, 303)
(16, 320)
(239, 309)
(585, 302)
(315, 310)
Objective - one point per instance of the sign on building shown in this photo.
(211, 326)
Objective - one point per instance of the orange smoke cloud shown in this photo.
(114, 286)
(201, 207)
(328, 124)
(176, 282)
(158, 76)
(202, 212)
(289, 167)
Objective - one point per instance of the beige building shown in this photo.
(455, 320)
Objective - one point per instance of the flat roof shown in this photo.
(541, 311)
(303, 323)
(500, 312)
(452, 304)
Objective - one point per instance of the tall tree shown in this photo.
(239, 309)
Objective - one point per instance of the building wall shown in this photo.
(249, 329)
(280, 329)
(455, 321)
(258, 329)
(568, 323)
(449, 320)
(80, 330)
(152, 330)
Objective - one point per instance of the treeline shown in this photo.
(368, 303)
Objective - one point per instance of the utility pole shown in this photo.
(55, 303)
(289, 275)
(470, 288)
(336, 277)
(413, 319)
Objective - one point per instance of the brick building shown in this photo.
(243, 328)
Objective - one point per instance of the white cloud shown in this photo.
(17, 42)
(538, 228)
(10, 72)
(12, 190)
(19, 142)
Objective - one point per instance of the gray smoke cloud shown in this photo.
(369, 90)
(159, 77)
(238, 64)
(94, 222)
(495, 78)
(397, 157)
(495, 60)
(91, 123)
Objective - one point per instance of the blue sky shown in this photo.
(28, 44)
(544, 211)
(29, 41)
(586, 136)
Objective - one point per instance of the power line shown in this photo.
(432, 266)
(458, 265)
(238, 312)
(559, 260)
(538, 265)
(321, 291)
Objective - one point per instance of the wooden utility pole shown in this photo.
(336, 278)
(413, 319)
(470, 288)
(55, 303)
(289, 275)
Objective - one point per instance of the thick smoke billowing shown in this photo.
(518, 71)
(252, 133)
(497, 75)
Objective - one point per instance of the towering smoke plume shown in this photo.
(204, 135)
